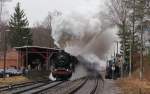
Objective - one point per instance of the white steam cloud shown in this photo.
(83, 36)
(87, 37)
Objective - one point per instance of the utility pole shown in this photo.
(123, 62)
(116, 50)
(124, 49)
(141, 54)
(26, 38)
(27, 54)
(130, 62)
(5, 48)
(132, 40)
(114, 53)
(117, 47)
(5, 51)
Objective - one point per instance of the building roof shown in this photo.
(38, 47)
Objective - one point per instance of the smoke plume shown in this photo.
(83, 37)
(87, 37)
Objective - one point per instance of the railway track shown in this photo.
(95, 87)
(79, 86)
(14, 86)
(65, 88)
(40, 89)
(90, 87)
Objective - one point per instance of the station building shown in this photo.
(34, 56)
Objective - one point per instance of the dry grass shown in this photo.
(133, 85)
(33, 76)
(13, 80)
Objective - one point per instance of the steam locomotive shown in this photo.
(62, 65)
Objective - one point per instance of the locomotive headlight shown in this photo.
(55, 69)
(70, 65)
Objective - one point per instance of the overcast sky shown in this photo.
(36, 10)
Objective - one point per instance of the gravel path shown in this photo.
(110, 87)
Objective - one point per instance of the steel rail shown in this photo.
(14, 86)
(95, 87)
(25, 90)
(47, 88)
(76, 89)
(4, 88)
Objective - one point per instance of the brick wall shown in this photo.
(11, 59)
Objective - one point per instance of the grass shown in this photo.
(13, 80)
(32, 76)
(132, 85)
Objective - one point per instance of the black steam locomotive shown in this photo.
(62, 65)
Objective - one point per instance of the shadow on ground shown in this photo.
(35, 75)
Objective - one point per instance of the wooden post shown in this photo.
(47, 61)
(18, 60)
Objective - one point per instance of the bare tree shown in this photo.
(2, 4)
(3, 25)
(129, 15)
(118, 14)
(47, 25)
(41, 36)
